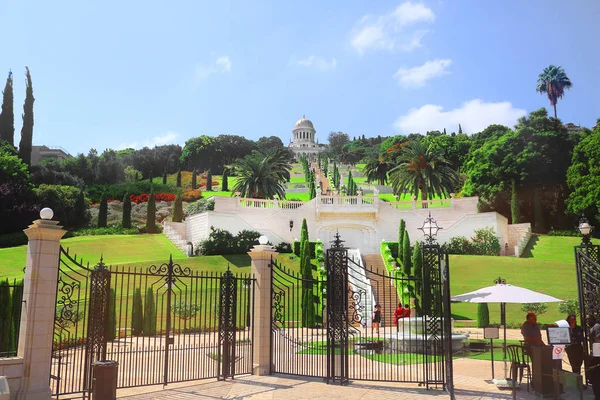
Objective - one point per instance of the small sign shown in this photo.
(558, 335)
(491, 333)
(596, 349)
(557, 352)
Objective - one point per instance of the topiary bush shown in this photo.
(112, 315)
(149, 323)
(137, 316)
(483, 315)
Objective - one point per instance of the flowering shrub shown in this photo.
(192, 195)
(215, 183)
(65, 343)
(143, 198)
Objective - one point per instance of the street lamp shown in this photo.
(430, 229)
(291, 225)
(586, 229)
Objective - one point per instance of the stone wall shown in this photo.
(12, 369)
(518, 235)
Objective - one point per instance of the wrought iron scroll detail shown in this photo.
(278, 307)
(356, 310)
(337, 312)
(227, 328)
(67, 313)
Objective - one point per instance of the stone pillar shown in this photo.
(261, 256)
(39, 302)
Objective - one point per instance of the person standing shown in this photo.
(376, 319)
(593, 365)
(575, 349)
(407, 311)
(531, 332)
(398, 314)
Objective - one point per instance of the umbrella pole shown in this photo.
(503, 322)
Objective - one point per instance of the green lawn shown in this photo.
(548, 267)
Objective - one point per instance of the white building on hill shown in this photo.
(303, 141)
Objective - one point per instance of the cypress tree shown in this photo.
(459, 129)
(303, 232)
(483, 315)
(149, 314)
(6, 327)
(178, 178)
(137, 316)
(7, 115)
(178, 209)
(514, 203)
(112, 315)
(417, 263)
(225, 183)
(150, 179)
(194, 180)
(401, 230)
(151, 213)
(164, 177)
(126, 222)
(208, 181)
(103, 212)
(17, 299)
(406, 254)
(81, 211)
(308, 307)
(27, 130)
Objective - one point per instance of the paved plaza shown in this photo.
(472, 382)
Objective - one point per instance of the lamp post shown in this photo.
(435, 301)
(587, 262)
(291, 225)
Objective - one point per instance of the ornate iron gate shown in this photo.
(345, 344)
(587, 259)
(162, 324)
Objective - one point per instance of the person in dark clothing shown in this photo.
(575, 349)
(376, 319)
(593, 365)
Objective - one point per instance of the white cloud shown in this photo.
(319, 63)
(473, 115)
(221, 64)
(159, 140)
(418, 76)
(389, 31)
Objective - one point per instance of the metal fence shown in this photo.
(162, 324)
(11, 296)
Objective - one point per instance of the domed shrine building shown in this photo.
(304, 139)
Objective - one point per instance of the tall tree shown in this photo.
(262, 175)
(459, 129)
(225, 183)
(126, 221)
(27, 129)
(7, 115)
(151, 213)
(137, 313)
(6, 333)
(417, 263)
(406, 254)
(423, 171)
(208, 181)
(553, 81)
(164, 176)
(177, 215)
(401, 230)
(194, 180)
(376, 170)
(178, 180)
(103, 211)
(149, 322)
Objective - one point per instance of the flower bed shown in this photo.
(144, 197)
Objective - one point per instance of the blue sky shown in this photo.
(133, 73)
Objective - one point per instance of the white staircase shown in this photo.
(175, 232)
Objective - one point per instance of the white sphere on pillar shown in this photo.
(46, 213)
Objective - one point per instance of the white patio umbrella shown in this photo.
(504, 293)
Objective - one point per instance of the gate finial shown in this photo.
(337, 243)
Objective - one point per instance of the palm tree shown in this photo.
(376, 170)
(423, 170)
(553, 81)
(262, 174)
